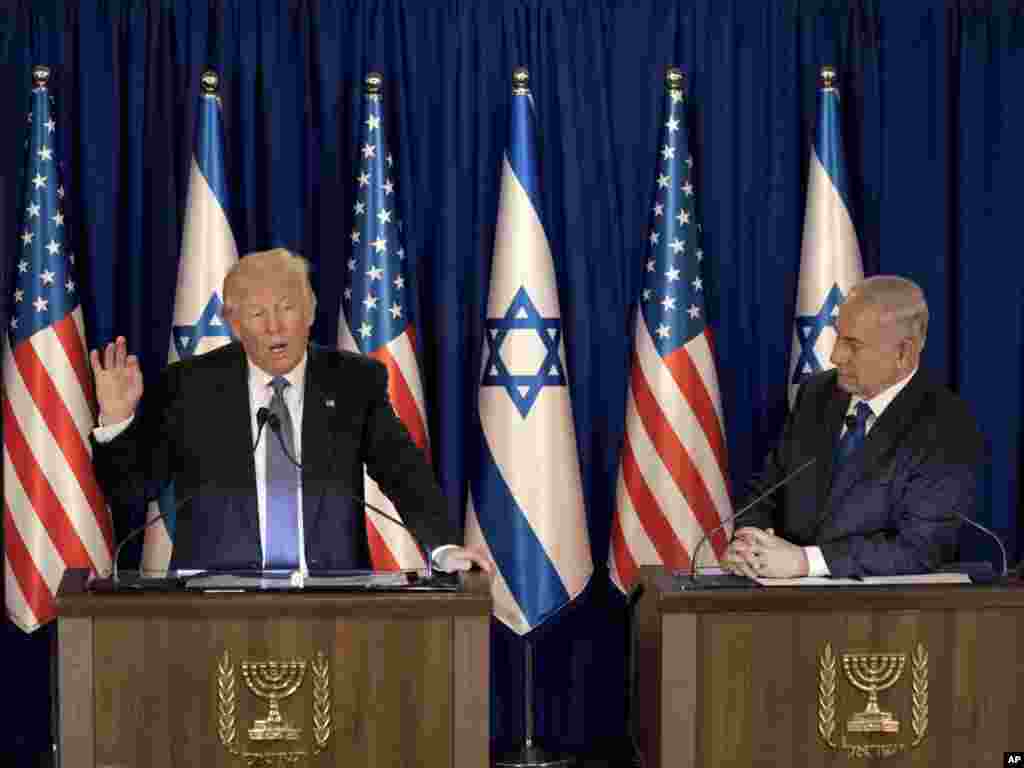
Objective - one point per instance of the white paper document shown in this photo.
(869, 581)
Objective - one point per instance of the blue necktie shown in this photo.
(282, 487)
(855, 434)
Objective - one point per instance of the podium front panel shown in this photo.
(274, 680)
(826, 678)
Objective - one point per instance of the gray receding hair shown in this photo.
(262, 260)
(900, 301)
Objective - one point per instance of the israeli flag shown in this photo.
(207, 253)
(525, 501)
(830, 262)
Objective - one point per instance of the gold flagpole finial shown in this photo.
(828, 77)
(209, 82)
(675, 80)
(373, 84)
(40, 76)
(520, 81)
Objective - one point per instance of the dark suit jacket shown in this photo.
(194, 428)
(888, 509)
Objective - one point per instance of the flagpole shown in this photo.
(530, 755)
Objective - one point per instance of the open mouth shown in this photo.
(278, 349)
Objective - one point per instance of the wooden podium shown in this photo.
(268, 680)
(783, 676)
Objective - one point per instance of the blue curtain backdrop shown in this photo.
(933, 125)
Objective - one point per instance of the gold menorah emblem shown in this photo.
(873, 673)
(273, 681)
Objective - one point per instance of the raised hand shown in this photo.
(118, 381)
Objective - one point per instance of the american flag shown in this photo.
(55, 516)
(376, 316)
(672, 486)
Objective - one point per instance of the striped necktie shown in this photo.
(855, 433)
(282, 487)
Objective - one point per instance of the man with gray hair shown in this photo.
(895, 455)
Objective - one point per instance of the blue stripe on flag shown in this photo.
(522, 149)
(529, 573)
(210, 148)
(827, 145)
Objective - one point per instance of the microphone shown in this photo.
(274, 422)
(983, 529)
(263, 415)
(740, 513)
(114, 579)
(982, 575)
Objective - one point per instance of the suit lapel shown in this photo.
(891, 424)
(230, 411)
(884, 433)
(317, 449)
(832, 419)
(233, 413)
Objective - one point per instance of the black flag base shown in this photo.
(531, 756)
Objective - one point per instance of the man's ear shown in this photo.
(312, 308)
(909, 351)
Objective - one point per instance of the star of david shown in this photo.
(523, 388)
(809, 328)
(210, 323)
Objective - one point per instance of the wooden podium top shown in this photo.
(472, 598)
(670, 598)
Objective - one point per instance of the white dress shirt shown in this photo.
(260, 393)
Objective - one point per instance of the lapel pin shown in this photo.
(329, 403)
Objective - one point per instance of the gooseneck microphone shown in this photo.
(263, 415)
(136, 531)
(273, 421)
(741, 512)
(983, 529)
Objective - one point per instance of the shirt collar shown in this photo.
(259, 380)
(882, 400)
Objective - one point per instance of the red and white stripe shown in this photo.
(55, 516)
(672, 485)
(392, 547)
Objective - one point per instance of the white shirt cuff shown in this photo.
(104, 433)
(816, 565)
(444, 561)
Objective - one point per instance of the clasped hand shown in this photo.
(757, 553)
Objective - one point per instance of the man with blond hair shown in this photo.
(266, 439)
(895, 455)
